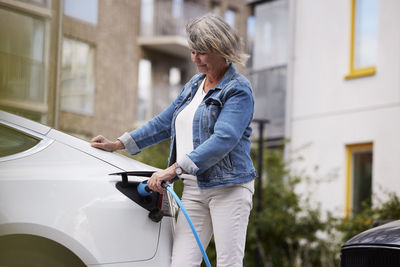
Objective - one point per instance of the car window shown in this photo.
(13, 141)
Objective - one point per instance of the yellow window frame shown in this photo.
(349, 171)
(356, 72)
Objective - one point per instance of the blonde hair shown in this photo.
(211, 34)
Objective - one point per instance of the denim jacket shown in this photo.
(221, 131)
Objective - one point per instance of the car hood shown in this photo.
(387, 234)
(122, 162)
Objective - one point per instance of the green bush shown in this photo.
(286, 231)
(381, 213)
(156, 155)
(291, 232)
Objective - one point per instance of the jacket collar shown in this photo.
(227, 76)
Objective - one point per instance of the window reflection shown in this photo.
(77, 91)
(21, 57)
(366, 30)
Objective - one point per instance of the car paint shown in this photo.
(64, 192)
(387, 234)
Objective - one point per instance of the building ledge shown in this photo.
(172, 45)
(27, 7)
(24, 105)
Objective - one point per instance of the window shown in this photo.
(175, 77)
(42, 3)
(152, 98)
(166, 91)
(144, 104)
(77, 89)
(359, 177)
(251, 30)
(82, 10)
(271, 34)
(22, 61)
(363, 46)
(13, 141)
(146, 17)
(230, 17)
(177, 8)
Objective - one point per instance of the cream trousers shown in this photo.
(222, 211)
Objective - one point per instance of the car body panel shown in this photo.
(31, 125)
(379, 246)
(64, 192)
(116, 159)
(387, 234)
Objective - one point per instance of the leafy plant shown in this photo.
(382, 212)
(287, 231)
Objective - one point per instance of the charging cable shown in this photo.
(175, 196)
(143, 189)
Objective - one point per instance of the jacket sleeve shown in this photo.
(234, 118)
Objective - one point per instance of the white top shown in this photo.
(184, 127)
(184, 134)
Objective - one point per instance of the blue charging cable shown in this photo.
(175, 196)
(143, 189)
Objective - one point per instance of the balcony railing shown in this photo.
(166, 17)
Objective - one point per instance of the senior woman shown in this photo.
(209, 127)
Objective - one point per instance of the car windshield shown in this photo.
(13, 141)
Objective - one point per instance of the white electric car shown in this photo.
(59, 205)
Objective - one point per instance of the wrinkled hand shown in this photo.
(155, 180)
(105, 144)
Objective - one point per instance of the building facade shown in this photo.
(343, 100)
(325, 75)
(98, 66)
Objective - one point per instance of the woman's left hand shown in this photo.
(155, 180)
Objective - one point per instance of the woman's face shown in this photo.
(207, 62)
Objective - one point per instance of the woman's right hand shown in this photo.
(105, 144)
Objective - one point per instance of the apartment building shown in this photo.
(98, 66)
(326, 75)
(342, 97)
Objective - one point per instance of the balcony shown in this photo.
(163, 23)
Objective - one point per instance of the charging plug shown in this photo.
(143, 189)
